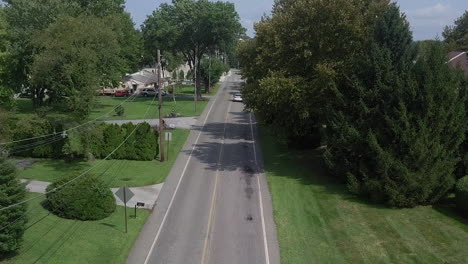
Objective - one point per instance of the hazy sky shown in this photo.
(427, 17)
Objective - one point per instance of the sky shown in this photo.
(427, 17)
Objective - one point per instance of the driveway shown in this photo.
(146, 194)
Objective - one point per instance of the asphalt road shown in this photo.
(215, 205)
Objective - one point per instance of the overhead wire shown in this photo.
(73, 128)
(58, 188)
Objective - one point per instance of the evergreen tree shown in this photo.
(146, 145)
(395, 126)
(113, 137)
(12, 221)
(129, 151)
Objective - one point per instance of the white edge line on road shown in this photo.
(207, 243)
(265, 242)
(178, 184)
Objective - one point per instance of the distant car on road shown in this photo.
(122, 93)
(237, 97)
(151, 92)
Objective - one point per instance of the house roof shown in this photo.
(146, 77)
(459, 59)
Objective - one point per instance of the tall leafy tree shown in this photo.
(211, 70)
(394, 126)
(12, 221)
(297, 53)
(76, 56)
(6, 93)
(25, 18)
(192, 28)
(29, 19)
(456, 36)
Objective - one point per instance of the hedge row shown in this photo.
(89, 142)
(100, 140)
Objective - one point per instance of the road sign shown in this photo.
(168, 136)
(124, 194)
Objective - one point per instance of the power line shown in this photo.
(70, 129)
(81, 175)
(24, 148)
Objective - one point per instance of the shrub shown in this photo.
(129, 151)
(181, 75)
(461, 195)
(39, 147)
(146, 142)
(120, 111)
(86, 198)
(11, 222)
(113, 137)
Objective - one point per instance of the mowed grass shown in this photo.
(115, 173)
(49, 239)
(319, 222)
(136, 109)
(190, 89)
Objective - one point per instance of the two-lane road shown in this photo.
(215, 207)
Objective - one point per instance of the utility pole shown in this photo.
(161, 121)
(196, 80)
(209, 77)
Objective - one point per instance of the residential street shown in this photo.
(215, 206)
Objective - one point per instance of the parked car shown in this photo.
(26, 93)
(151, 92)
(237, 97)
(122, 93)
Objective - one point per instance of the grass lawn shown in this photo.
(190, 89)
(135, 109)
(114, 172)
(319, 222)
(50, 239)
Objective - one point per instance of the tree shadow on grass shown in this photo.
(447, 207)
(307, 167)
(112, 226)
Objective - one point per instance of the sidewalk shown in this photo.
(146, 194)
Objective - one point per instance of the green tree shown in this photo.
(25, 19)
(113, 137)
(395, 126)
(77, 56)
(211, 70)
(146, 142)
(6, 93)
(130, 151)
(12, 221)
(25, 53)
(181, 75)
(192, 28)
(456, 36)
(304, 46)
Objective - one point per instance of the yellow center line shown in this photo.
(213, 199)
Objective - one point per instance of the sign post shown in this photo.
(168, 140)
(125, 194)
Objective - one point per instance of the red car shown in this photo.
(122, 93)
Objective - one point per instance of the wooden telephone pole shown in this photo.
(161, 121)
